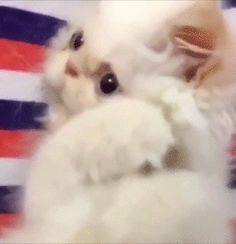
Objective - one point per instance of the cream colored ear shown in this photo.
(197, 46)
(199, 33)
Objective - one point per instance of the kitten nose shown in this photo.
(71, 70)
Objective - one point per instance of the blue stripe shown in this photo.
(232, 183)
(231, 3)
(10, 199)
(21, 25)
(233, 162)
(15, 115)
(228, 3)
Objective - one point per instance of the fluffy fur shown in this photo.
(142, 164)
(158, 43)
(90, 180)
(101, 151)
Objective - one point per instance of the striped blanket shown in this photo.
(24, 36)
(25, 28)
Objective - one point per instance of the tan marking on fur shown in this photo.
(95, 68)
(102, 69)
(202, 24)
(208, 72)
(203, 15)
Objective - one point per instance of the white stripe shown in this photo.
(13, 171)
(20, 86)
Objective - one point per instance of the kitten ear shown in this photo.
(198, 34)
(198, 46)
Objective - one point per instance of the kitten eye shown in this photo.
(77, 40)
(109, 83)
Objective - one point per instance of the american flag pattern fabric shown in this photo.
(23, 42)
(24, 34)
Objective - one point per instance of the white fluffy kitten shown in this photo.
(190, 41)
(85, 184)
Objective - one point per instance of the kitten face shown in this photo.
(76, 74)
(108, 54)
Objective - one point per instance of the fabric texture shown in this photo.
(24, 35)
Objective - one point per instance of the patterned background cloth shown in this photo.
(25, 28)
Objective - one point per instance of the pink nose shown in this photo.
(71, 70)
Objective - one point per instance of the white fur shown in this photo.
(170, 207)
(125, 51)
(85, 185)
(98, 150)
(73, 183)
(134, 50)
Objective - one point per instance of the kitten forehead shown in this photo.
(121, 30)
(139, 16)
(141, 11)
(124, 22)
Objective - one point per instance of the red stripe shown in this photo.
(233, 225)
(20, 56)
(8, 221)
(18, 144)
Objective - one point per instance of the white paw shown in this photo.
(119, 137)
(175, 97)
(183, 108)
